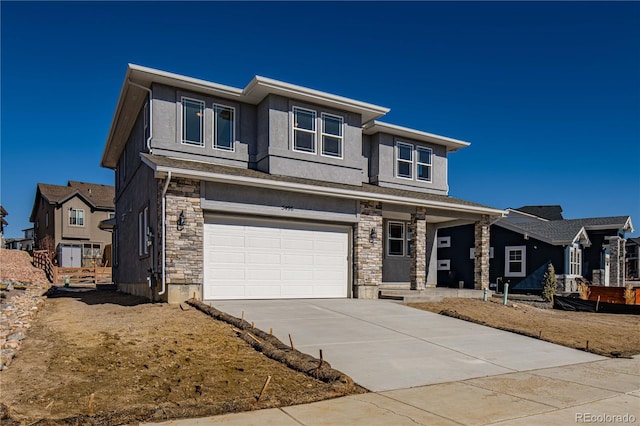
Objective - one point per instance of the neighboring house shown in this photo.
(274, 191)
(3, 223)
(70, 216)
(25, 243)
(633, 255)
(527, 238)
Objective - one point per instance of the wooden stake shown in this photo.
(597, 303)
(253, 337)
(264, 388)
(540, 335)
(242, 318)
(251, 324)
(587, 346)
(291, 341)
(91, 404)
(271, 332)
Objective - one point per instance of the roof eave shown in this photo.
(452, 145)
(162, 171)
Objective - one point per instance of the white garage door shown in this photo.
(266, 259)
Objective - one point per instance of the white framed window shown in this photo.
(515, 261)
(224, 127)
(192, 121)
(332, 140)
(304, 130)
(444, 242)
(472, 253)
(396, 239)
(76, 217)
(143, 232)
(444, 264)
(575, 260)
(404, 160)
(423, 163)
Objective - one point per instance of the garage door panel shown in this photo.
(256, 259)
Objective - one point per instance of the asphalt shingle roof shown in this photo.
(236, 171)
(550, 212)
(100, 195)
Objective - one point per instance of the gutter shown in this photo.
(150, 111)
(164, 234)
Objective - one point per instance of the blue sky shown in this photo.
(547, 93)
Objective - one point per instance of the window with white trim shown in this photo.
(332, 140)
(395, 238)
(423, 164)
(404, 160)
(515, 261)
(223, 127)
(76, 217)
(143, 232)
(304, 130)
(192, 122)
(575, 260)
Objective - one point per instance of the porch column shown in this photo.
(481, 261)
(418, 229)
(368, 237)
(616, 262)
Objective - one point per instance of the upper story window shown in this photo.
(410, 158)
(423, 164)
(223, 127)
(304, 130)
(404, 160)
(192, 122)
(332, 140)
(76, 217)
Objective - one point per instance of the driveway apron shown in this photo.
(384, 345)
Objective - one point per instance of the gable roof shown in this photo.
(96, 195)
(549, 212)
(378, 126)
(162, 165)
(609, 222)
(554, 232)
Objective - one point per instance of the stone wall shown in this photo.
(481, 262)
(418, 229)
(368, 251)
(184, 247)
(616, 265)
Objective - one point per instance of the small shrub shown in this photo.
(583, 289)
(549, 284)
(629, 295)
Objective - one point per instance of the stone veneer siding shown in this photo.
(367, 253)
(616, 261)
(184, 249)
(481, 261)
(418, 229)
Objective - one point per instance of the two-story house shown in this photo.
(67, 219)
(25, 243)
(274, 191)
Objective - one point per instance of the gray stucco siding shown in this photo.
(167, 127)
(383, 167)
(237, 199)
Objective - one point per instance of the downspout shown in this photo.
(164, 233)
(150, 111)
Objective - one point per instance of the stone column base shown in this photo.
(366, 292)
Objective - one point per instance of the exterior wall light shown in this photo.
(373, 235)
(181, 221)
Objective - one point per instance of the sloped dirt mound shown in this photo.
(16, 266)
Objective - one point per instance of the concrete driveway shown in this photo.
(385, 346)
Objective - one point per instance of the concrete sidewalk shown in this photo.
(386, 346)
(602, 392)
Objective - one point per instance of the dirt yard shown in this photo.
(106, 358)
(604, 334)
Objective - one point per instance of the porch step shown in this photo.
(429, 294)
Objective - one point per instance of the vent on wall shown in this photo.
(444, 242)
(444, 264)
